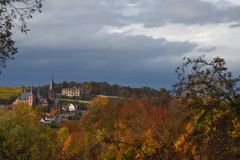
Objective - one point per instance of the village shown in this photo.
(56, 109)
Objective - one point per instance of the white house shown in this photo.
(72, 108)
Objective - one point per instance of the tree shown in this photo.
(211, 134)
(22, 136)
(163, 91)
(14, 13)
(200, 78)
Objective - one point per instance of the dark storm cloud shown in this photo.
(68, 40)
(110, 53)
(111, 57)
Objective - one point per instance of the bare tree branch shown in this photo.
(14, 13)
(199, 78)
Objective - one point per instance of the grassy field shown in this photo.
(7, 92)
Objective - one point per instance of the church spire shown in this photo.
(51, 87)
(51, 93)
(31, 99)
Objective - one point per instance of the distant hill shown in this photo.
(8, 92)
(104, 88)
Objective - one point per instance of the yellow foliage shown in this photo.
(235, 133)
(66, 144)
(100, 102)
(21, 132)
(63, 134)
(183, 145)
(111, 153)
(189, 128)
(150, 144)
(65, 141)
(100, 134)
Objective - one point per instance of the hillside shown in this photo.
(104, 88)
(8, 92)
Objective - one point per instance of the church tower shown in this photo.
(31, 98)
(51, 92)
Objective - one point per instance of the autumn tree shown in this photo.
(22, 136)
(133, 129)
(139, 133)
(14, 13)
(200, 78)
(212, 134)
(98, 124)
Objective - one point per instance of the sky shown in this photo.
(129, 42)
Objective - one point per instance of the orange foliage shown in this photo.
(135, 129)
(140, 126)
(66, 144)
(74, 129)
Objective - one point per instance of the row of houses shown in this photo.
(67, 111)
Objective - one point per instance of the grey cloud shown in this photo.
(114, 50)
(67, 41)
(98, 13)
(236, 25)
(111, 57)
(206, 49)
(186, 11)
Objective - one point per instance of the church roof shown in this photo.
(24, 95)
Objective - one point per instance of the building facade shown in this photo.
(71, 92)
(27, 97)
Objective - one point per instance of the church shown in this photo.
(33, 99)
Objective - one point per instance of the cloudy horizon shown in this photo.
(129, 42)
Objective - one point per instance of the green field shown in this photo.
(7, 92)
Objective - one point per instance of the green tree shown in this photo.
(22, 136)
(14, 13)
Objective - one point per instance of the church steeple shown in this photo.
(51, 87)
(51, 93)
(31, 97)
